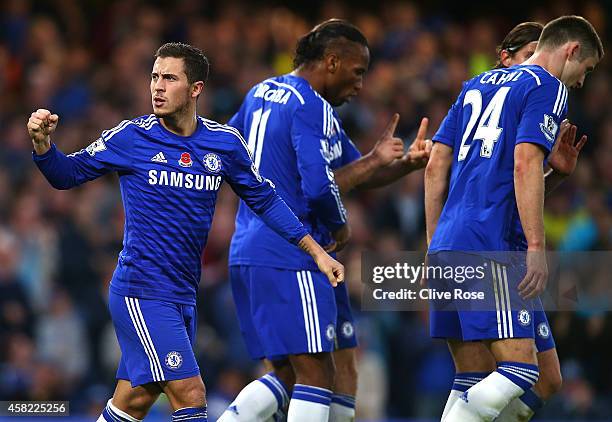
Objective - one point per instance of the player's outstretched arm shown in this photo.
(529, 190)
(328, 265)
(387, 149)
(564, 156)
(41, 125)
(367, 173)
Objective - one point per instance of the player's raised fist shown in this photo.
(388, 147)
(41, 125)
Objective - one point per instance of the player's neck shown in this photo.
(184, 124)
(552, 63)
(313, 76)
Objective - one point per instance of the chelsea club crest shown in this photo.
(174, 360)
(212, 162)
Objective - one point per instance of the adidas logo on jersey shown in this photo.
(159, 158)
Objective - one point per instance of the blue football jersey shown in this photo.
(169, 185)
(296, 139)
(495, 111)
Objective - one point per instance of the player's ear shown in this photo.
(197, 88)
(332, 62)
(573, 50)
(504, 58)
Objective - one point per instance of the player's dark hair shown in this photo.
(521, 35)
(312, 46)
(196, 63)
(572, 28)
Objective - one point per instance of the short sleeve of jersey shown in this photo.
(544, 108)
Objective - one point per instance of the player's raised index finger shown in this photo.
(422, 132)
(390, 129)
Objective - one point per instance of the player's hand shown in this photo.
(341, 238)
(331, 268)
(419, 151)
(564, 155)
(40, 126)
(536, 278)
(389, 147)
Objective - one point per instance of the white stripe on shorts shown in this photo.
(305, 309)
(145, 339)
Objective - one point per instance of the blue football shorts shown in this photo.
(501, 313)
(286, 312)
(156, 339)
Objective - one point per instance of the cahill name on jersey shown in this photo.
(495, 111)
(297, 140)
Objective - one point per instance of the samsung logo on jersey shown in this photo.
(498, 78)
(184, 180)
(279, 95)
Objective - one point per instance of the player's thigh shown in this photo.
(514, 350)
(187, 392)
(155, 338)
(294, 312)
(240, 281)
(550, 380)
(135, 401)
(471, 356)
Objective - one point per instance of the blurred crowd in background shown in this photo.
(90, 62)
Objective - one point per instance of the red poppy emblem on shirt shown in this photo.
(185, 160)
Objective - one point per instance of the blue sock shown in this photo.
(344, 400)
(278, 388)
(524, 375)
(311, 394)
(464, 380)
(190, 414)
(531, 400)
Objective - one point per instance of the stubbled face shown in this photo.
(575, 71)
(521, 55)
(345, 75)
(170, 89)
